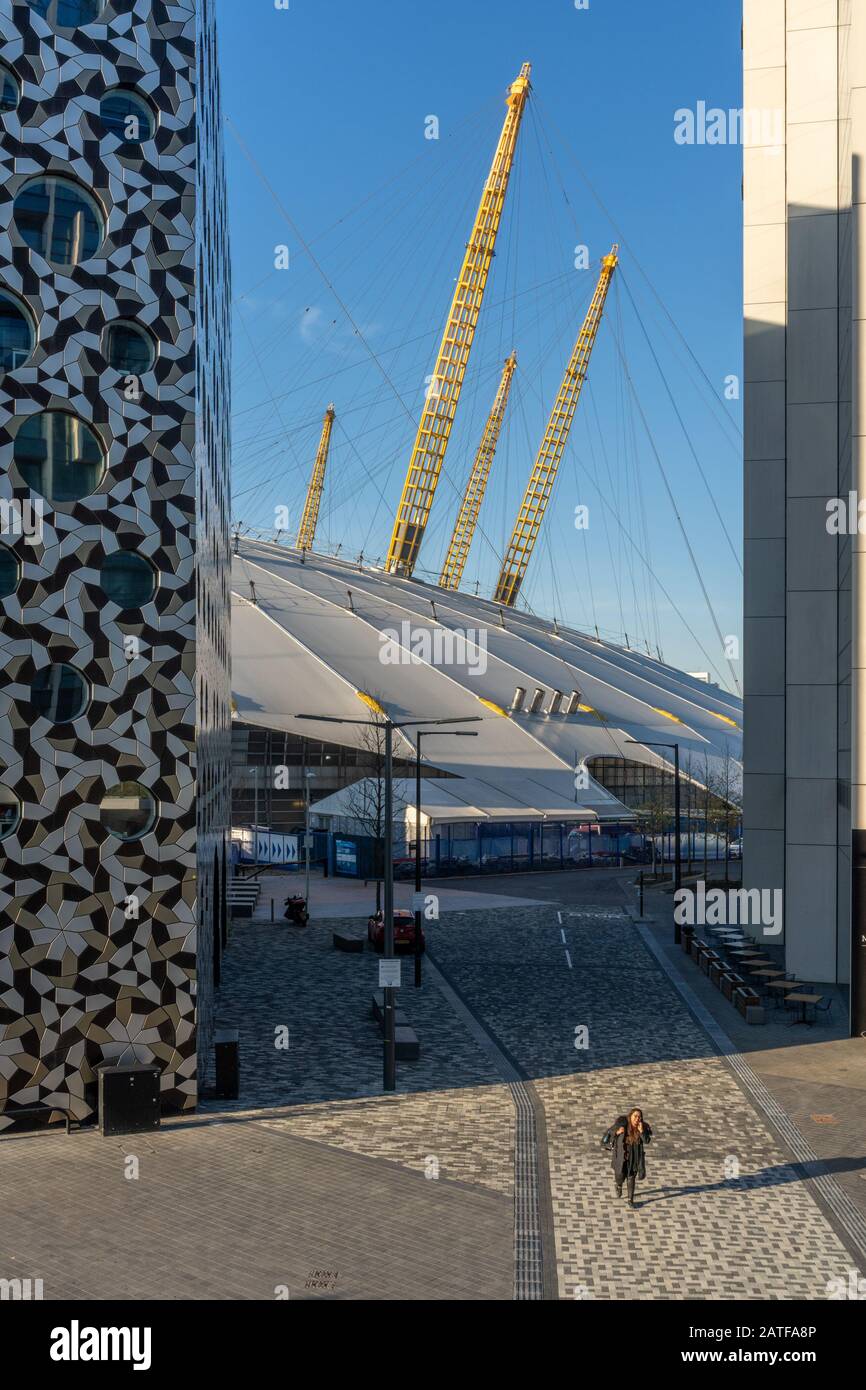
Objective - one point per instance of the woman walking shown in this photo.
(627, 1138)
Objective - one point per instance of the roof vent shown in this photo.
(573, 702)
(517, 700)
(535, 702)
(555, 702)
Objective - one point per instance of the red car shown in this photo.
(404, 932)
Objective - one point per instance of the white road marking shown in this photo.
(562, 934)
(568, 958)
(559, 918)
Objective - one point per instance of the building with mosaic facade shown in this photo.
(114, 553)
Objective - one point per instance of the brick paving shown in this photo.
(451, 1105)
(697, 1233)
(233, 1210)
(412, 1195)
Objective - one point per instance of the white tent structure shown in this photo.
(318, 635)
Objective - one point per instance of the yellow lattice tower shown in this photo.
(470, 507)
(544, 470)
(443, 394)
(307, 528)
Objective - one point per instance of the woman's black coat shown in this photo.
(617, 1145)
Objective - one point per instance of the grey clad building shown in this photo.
(114, 488)
(805, 394)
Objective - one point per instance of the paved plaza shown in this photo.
(538, 1024)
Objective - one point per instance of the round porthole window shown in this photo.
(9, 572)
(68, 14)
(59, 456)
(17, 335)
(128, 579)
(129, 349)
(10, 812)
(58, 693)
(128, 811)
(60, 220)
(10, 92)
(127, 115)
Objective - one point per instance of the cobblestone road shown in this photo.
(722, 1214)
(451, 1105)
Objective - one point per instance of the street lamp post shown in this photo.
(389, 1061)
(389, 1054)
(678, 859)
(308, 775)
(424, 733)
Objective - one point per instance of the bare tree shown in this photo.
(365, 799)
(655, 813)
(706, 808)
(726, 806)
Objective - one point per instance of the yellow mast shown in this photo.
(467, 517)
(307, 528)
(440, 405)
(543, 475)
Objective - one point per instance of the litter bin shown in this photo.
(128, 1099)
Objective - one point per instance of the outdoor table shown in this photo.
(784, 984)
(804, 1000)
(768, 974)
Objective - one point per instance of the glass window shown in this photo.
(8, 572)
(10, 812)
(67, 14)
(128, 811)
(126, 115)
(10, 92)
(128, 349)
(16, 333)
(59, 456)
(127, 579)
(57, 218)
(58, 693)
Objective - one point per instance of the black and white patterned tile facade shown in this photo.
(82, 979)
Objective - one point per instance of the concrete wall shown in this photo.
(797, 395)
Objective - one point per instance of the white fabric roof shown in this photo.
(461, 798)
(310, 637)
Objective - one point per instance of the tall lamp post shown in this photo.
(678, 854)
(389, 1054)
(308, 776)
(424, 733)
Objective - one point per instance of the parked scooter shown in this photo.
(296, 911)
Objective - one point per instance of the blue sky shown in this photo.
(327, 106)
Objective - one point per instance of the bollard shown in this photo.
(272, 909)
(640, 880)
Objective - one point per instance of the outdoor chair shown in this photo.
(824, 1008)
